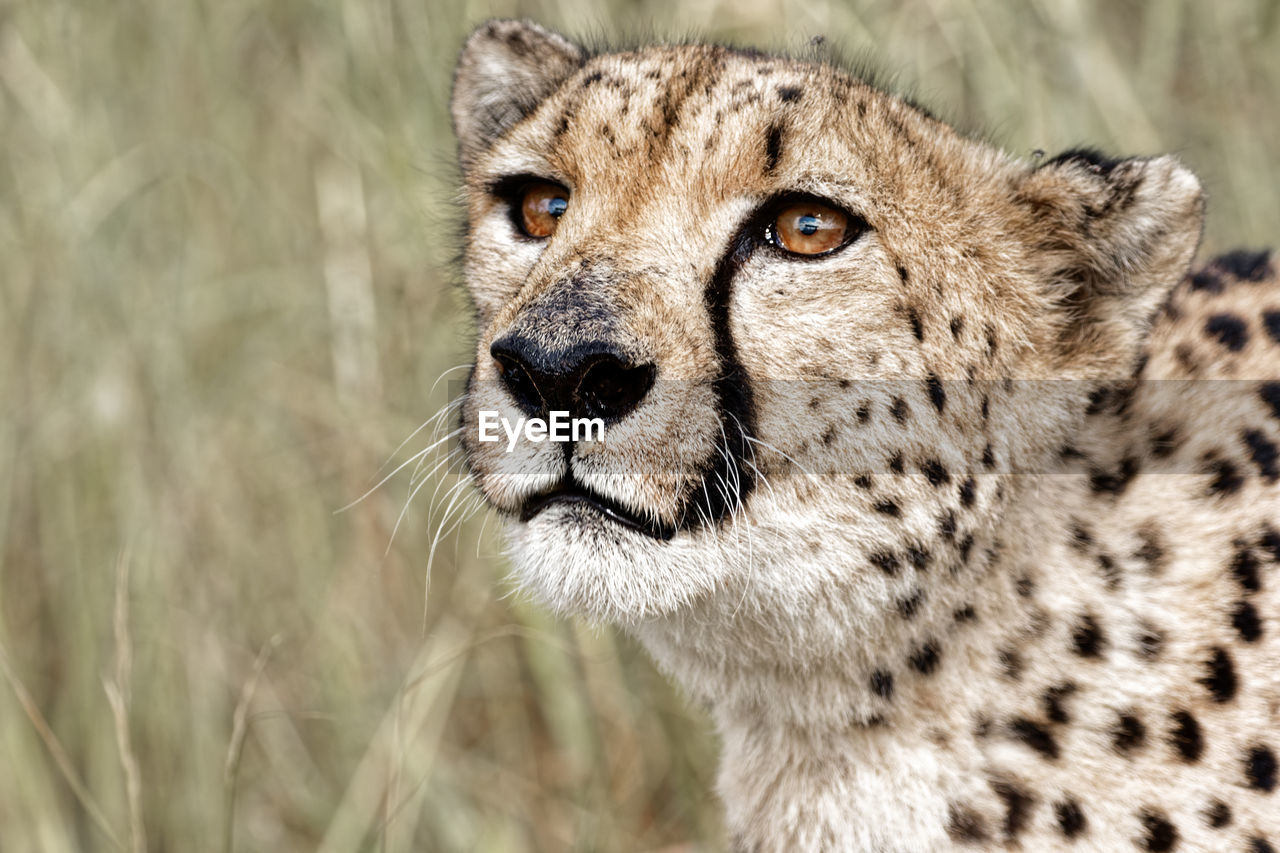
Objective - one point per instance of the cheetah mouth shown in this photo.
(569, 492)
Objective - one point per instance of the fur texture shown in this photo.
(948, 528)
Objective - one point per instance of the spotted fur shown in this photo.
(967, 534)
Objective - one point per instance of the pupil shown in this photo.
(808, 225)
(557, 206)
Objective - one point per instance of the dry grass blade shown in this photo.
(60, 757)
(235, 746)
(119, 697)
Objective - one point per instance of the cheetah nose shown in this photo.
(593, 380)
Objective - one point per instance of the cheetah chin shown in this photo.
(938, 475)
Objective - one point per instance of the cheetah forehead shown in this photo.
(727, 120)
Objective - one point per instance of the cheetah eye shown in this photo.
(539, 207)
(810, 228)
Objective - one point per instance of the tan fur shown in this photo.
(995, 527)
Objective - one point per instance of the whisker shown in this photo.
(767, 446)
(415, 457)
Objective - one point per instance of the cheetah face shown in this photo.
(775, 287)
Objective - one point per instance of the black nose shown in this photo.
(591, 380)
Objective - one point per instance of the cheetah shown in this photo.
(936, 474)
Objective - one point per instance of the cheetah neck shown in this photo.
(800, 697)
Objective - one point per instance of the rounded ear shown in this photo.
(1113, 237)
(505, 70)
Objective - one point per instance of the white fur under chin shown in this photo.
(610, 573)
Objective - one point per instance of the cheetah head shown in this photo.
(794, 303)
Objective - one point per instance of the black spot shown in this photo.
(889, 508)
(966, 492)
(1129, 734)
(1115, 483)
(1151, 551)
(882, 683)
(1081, 538)
(1161, 835)
(965, 546)
(1150, 642)
(1017, 807)
(592, 78)
(1271, 322)
(966, 825)
(1229, 329)
(1270, 394)
(986, 407)
(864, 413)
(1260, 769)
(965, 614)
(1025, 586)
(902, 274)
(863, 481)
(790, 93)
(1053, 699)
(1218, 814)
(1035, 736)
(937, 395)
(1270, 541)
(1263, 452)
(911, 604)
(988, 458)
(885, 561)
(1164, 443)
(1186, 357)
(772, 148)
(1226, 477)
(1258, 844)
(829, 437)
(896, 465)
(1245, 265)
(1109, 570)
(1206, 280)
(935, 472)
(1088, 638)
(1220, 676)
(947, 525)
(1070, 817)
(925, 658)
(957, 326)
(1011, 663)
(1098, 398)
(919, 557)
(1246, 622)
(1244, 566)
(1186, 737)
(900, 410)
(913, 318)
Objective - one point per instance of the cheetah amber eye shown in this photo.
(809, 228)
(541, 206)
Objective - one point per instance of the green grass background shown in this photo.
(226, 296)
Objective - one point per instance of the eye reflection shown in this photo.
(809, 228)
(541, 206)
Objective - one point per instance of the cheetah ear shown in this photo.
(505, 70)
(1114, 237)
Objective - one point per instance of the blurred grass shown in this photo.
(226, 236)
